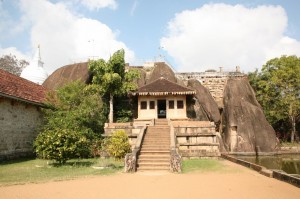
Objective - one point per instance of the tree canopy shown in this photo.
(73, 121)
(11, 64)
(277, 87)
(111, 78)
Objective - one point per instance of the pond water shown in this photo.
(288, 163)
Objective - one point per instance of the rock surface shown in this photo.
(66, 74)
(246, 128)
(161, 70)
(205, 100)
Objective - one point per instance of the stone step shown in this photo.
(166, 160)
(157, 140)
(156, 147)
(154, 164)
(156, 136)
(151, 168)
(153, 156)
(157, 152)
(156, 144)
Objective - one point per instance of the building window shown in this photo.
(143, 104)
(152, 104)
(171, 104)
(179, 104)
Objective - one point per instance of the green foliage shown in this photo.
(72, 123)
(118, 144)
(123, 109)
(111, 77)
(277, 88)
(63, 144)
(75, 106)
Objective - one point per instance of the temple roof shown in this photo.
(163, 86)
(15, 87)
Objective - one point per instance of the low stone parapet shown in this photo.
(293, 179)
(196, 139)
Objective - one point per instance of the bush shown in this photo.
(118, 144)
(73, 123)
(62, 145)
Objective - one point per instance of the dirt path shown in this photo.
(235, 182)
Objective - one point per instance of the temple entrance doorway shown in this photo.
(161, 109)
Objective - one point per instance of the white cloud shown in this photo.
(133, 7)
(14, 51)
(66, 38)
(224, 35)
(97, 4)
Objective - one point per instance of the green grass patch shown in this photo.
(289, 144)
(37, 170)
(202, 165)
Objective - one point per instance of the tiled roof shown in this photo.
(163, 86)
(15, 87)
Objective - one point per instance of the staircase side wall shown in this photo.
(197, 141)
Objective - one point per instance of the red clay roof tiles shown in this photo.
(13, 86)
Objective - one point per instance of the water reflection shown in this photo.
(287, 163)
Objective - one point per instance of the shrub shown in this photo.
(118, 144)
(63, 144)
(73, 123)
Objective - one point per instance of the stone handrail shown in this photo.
(175, 164)
(131, 158)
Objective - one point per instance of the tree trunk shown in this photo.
(111, 109)
(293, 120)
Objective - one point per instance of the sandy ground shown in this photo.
(234, 182)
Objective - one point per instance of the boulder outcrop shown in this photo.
(246, 128)
(68, 73)
(205, 100)
(161, 69)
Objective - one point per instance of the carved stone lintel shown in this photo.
(130, 162)
(175, 163)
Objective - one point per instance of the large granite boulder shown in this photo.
(246, 128)
(205, 100)
(161, 69)
(142, 80)
(68, 73)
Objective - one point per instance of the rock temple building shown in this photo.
(180, 115)
(200, 114)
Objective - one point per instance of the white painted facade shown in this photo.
(170, 113)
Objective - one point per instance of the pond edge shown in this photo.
(276, 174)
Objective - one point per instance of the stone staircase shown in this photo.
(155, 150)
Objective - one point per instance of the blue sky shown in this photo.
(192, 35)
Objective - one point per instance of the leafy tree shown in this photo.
(277, 88)
(112, 78)
(11, 64)
(118, 144)
(73, 122)
(76, 106)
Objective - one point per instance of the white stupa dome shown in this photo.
(35, 71)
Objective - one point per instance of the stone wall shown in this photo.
(196, 139)
(18, 122)
(214, 81)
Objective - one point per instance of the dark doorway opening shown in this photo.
(161, 109)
